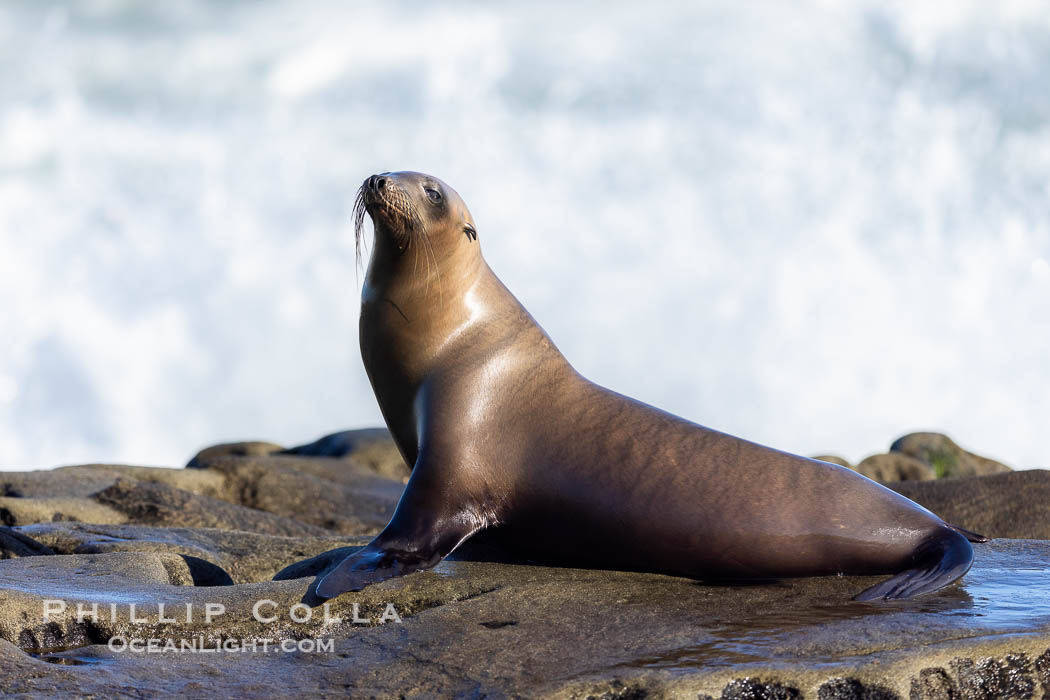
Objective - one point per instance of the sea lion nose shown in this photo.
(376, 183)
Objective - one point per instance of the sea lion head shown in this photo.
(413, 210)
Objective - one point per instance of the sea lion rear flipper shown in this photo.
(968, 534)
(940, 561)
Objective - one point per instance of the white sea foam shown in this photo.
(814, 225)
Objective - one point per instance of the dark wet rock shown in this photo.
(338, 495)
(14, 544)
(232, 449)
(1042, 672)
(163, 505)
(853, 689)
(933, 684)
(895, 467)
(372, 447)
(1018, 676)
(979, 680)
(945, 457)
(752, 689)
(835, 459)
(246, 556)
(977, 677)
(1012, 504)
(618, 690)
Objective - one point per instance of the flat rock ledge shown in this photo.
(476, 627)
(217, 563)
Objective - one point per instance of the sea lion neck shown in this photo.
(421, 277)
(417, 307)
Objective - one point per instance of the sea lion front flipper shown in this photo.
(939, 562)
(396, 552)
(372, 564)
(428, 524)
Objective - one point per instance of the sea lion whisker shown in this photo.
(431, 255)
(359, 221)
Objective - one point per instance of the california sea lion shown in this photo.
(504, 434)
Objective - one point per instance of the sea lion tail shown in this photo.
(942, 559)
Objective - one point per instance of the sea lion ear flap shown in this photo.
(471, 233)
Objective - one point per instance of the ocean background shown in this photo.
(816, 225)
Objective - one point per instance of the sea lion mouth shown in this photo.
(392, 211)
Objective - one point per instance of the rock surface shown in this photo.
(84, 480)
(337, 495)
(233, 449)
(24, 511)
(835, 459)
(497, 629)
(895, 467)
(370, 446)
(248, 557)
(277, 494)
(1011, 504)
(160, 504)
(14, 544)
(944, 456)
(251, 522)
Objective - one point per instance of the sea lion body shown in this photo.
(505, 435)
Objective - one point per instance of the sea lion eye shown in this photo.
(433, 194)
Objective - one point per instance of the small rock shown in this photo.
(372, 447)
(1042, 671)
(853, 689)
(933, 684)
(618, 690)
(981, 680)
(895, 467)
(752, 689)
(945, 457)
(835, 459)
(13, 544)
(1019, 680)
(235, 449)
